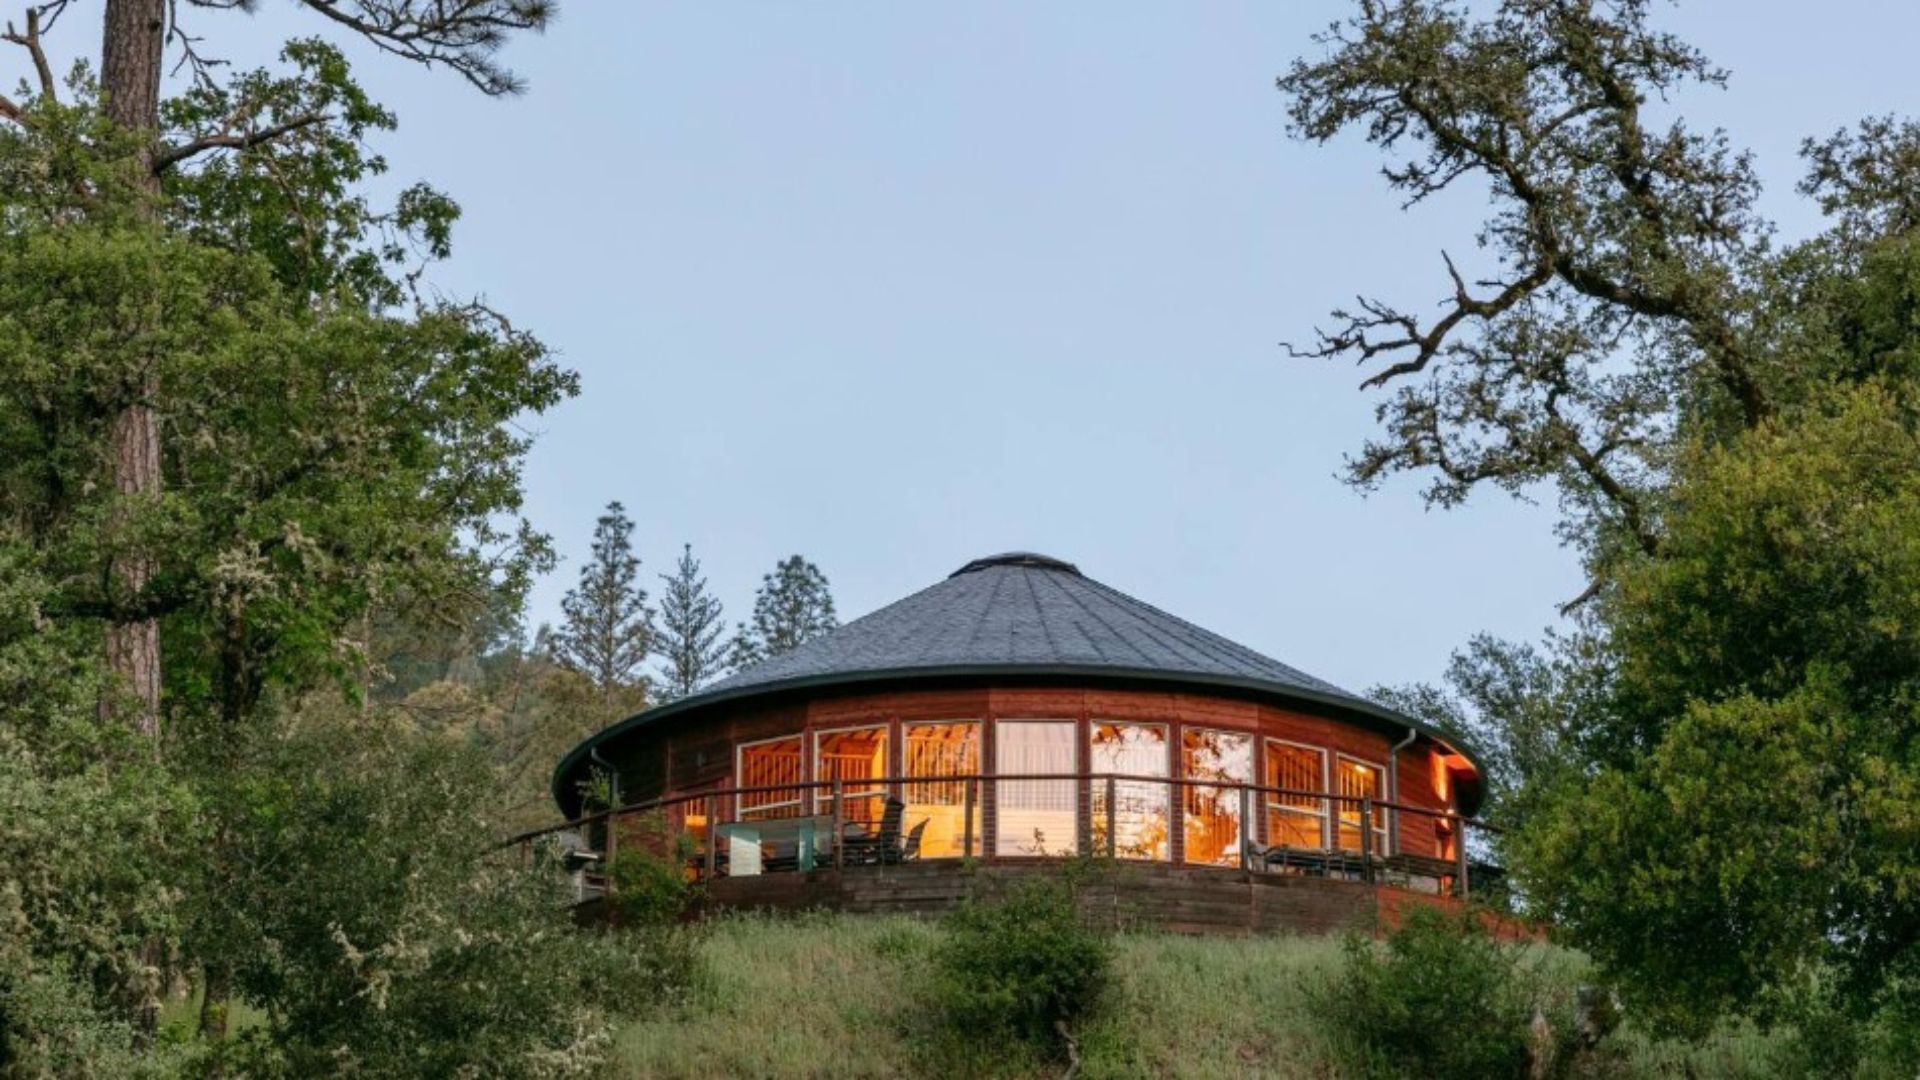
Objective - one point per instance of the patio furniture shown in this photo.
(776, 845)
(912, 850)
(1312, 862)
(882, 847)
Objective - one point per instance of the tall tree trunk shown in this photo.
(130, 57)
(215, 1005)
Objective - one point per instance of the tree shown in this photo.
(136, 35)
(691, 623)
(1624, 256)
(339, 445)
(1744, 824)
(608, 632)
(792, 605)
(1715, 767)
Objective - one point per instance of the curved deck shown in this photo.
(1123, 894)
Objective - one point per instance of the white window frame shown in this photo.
(823, 797)
(740, 809)
(979, 744)
(1384, 832)
(1325, 813)
(998, 722)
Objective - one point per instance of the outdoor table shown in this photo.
(748, 842)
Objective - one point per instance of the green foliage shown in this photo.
(1724, 812)
(609, 630)
(359, 911)
(1751, 823)
(650, 887)
(691, 624)
(1022, 965)
(1442, 998)
(792, 605)
(94, 834)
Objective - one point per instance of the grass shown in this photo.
(839, 996)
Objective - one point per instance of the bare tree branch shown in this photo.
(464, 35)
(31, 41)
(173, 155)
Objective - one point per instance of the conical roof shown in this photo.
(1015, 614)
(1022, 610)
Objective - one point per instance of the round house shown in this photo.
(1019, 713)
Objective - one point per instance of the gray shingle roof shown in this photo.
(1022, 609)
(1009, 615)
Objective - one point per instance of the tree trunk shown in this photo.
(216, 996)
(130, 57)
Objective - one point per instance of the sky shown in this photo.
(897, 285)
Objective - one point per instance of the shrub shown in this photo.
(1440, 998)
(379, 938)
(650, 885)
(1022, 965)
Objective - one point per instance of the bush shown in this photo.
(650, 887)
(369, 925)
(1441, 998)
(1023, 965)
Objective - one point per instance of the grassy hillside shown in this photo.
(842, 997)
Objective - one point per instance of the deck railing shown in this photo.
(835, 824)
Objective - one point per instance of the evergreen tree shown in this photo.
(792, 605)
(608, 631)
(691, 623)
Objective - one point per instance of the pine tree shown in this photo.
(792, 605)
(608, 631)
(691, 623)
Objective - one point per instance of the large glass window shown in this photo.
(1035, 817)
(857, 757)
(1141, 815)
(1360, 779)
(1296, 819)
(774, 763)
(936, 807)
(1213, 826)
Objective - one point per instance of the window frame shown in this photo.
(1096, 793)
(908, 783)
(740, 809)
(823, 796)
(1383, 830)
(1252, 740)
(1077, 746)
(1325, 813)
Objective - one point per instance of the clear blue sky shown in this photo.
(895, 285)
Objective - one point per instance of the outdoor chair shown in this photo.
(863, 848)
(912, 850)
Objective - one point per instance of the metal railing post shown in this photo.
(839, 818)
(1460, 856)
(1113, 833)
(713, 836)
(966, 828)
(1366, 839)
(613, 840)
(1246, 826)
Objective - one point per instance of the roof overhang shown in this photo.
(574, 767)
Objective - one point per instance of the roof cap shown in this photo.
(1031, 560)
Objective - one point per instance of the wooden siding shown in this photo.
(697, 753)
(1159, 896)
